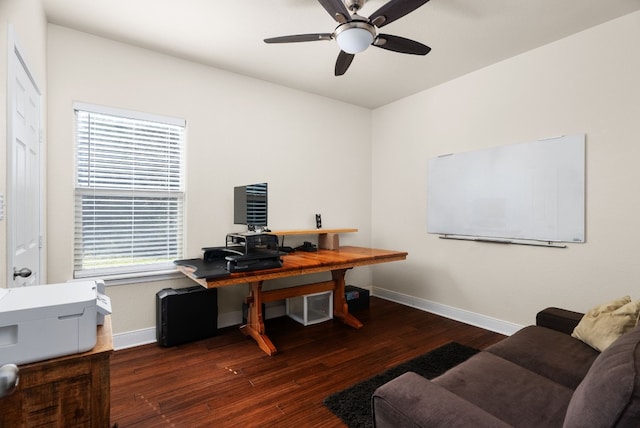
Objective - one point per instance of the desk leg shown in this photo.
(255, 320)
(340, 307)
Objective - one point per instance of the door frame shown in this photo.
(15, 58)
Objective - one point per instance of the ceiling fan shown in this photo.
(356, 33)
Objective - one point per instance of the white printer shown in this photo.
(46, 321)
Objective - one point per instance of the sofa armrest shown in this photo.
(561, 320)
(413, 401)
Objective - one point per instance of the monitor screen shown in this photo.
(250, 205)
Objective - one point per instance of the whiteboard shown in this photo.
(531, 191)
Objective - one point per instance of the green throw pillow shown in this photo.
(602, 325)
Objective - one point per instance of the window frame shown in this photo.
(128, 273)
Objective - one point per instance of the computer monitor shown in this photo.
(250, 205)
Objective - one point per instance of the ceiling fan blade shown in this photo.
(393, 10)
(400, 44)
(300, 38)
(337, 10)
(343, 62)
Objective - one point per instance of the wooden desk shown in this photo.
(69, 391)
(300, 263)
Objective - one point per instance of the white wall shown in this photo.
(240, 131)
(30, 32)
(585, 83)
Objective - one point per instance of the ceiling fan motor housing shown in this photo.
(354, 5)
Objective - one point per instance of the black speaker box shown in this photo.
(357, 298)
(186, 314)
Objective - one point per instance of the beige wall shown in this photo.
(30, 32)
(371, 175)
(587, 83)
(314, 153)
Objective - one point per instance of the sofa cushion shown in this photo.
(411, 401)
(602, 325)
(549, 353)
(609, 395)
(511, 393)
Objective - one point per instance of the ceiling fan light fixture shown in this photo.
(355, 37)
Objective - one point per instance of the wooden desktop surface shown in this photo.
(336, 261)
(301, 263)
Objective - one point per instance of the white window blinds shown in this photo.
(129, 192)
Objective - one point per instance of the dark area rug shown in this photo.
(353, 405)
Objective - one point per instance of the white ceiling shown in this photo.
(464, 35)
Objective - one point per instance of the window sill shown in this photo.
(138, 277)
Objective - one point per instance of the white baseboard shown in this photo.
(148, 335)
(278, 309)
(467, 317)
(130, 339)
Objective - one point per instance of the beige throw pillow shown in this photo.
(602, 325)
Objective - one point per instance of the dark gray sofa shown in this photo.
(538, 377)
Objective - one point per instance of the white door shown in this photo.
(23, 202)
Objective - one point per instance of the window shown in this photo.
(129, 192)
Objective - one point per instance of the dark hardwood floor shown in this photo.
(227, 381)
